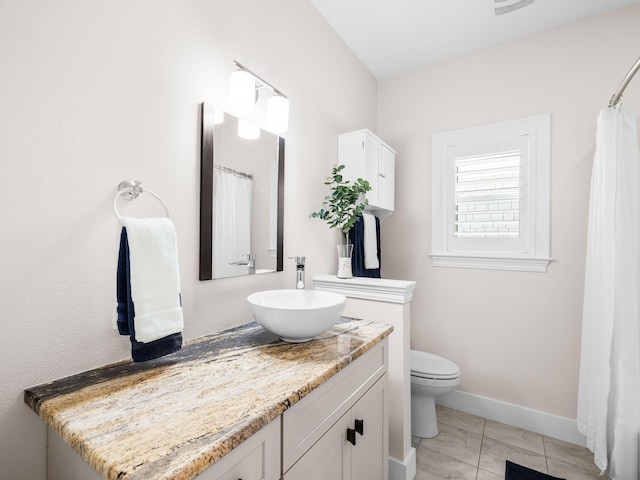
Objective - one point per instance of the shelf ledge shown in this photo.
(379, 289)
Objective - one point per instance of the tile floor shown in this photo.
(474, 448)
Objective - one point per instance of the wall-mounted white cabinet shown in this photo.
(366, 156)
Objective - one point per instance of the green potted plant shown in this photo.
(341, 209)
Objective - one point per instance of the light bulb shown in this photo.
(242, 92)
(278, 114)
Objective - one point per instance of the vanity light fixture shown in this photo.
(243, 95)
(242, 92)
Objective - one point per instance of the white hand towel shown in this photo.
(370, 242)
(155, 278)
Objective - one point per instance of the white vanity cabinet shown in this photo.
(325, 405)
(340, 430)
(366, 156)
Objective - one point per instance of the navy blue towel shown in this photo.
(356, 237)
(140, 352)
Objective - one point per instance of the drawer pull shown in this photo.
(351, 436)
(360, 426)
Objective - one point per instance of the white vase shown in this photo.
(344, 260)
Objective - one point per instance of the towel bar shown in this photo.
(130, 190)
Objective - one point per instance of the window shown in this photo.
(491, 196)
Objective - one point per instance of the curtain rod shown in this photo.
(615, 99)
(235, 172)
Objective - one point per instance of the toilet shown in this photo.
(431, 376)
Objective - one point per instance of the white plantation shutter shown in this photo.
(490, 196)
(487, 195)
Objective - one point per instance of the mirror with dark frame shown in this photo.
(241, 199)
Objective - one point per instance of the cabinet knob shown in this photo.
(351, 436)
(382, 175)
(360, 426)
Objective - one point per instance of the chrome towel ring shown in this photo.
(130, 190)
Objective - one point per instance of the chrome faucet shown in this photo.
(299, 272)
(250, 262)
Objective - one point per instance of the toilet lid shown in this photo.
(428, 365)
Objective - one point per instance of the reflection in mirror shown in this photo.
(241, 200)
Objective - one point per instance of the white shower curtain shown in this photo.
(609, 388)
(232, 201)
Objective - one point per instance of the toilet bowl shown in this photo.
(431, 376)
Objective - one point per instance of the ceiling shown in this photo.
(392, 37)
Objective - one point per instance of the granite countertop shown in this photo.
(172, 417)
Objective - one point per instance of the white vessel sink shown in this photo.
(296, 315)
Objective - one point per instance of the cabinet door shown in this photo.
(335, 457)
(372, 152)
(308, 420)
(351, 154)
(379, 171)
(386, 179)
(328, 459)
(370, 454)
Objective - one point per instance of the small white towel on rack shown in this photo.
(370, 242)
(155, 278)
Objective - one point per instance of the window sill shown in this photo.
(491, 262)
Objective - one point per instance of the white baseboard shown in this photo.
(515, 415)
(403, 470)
